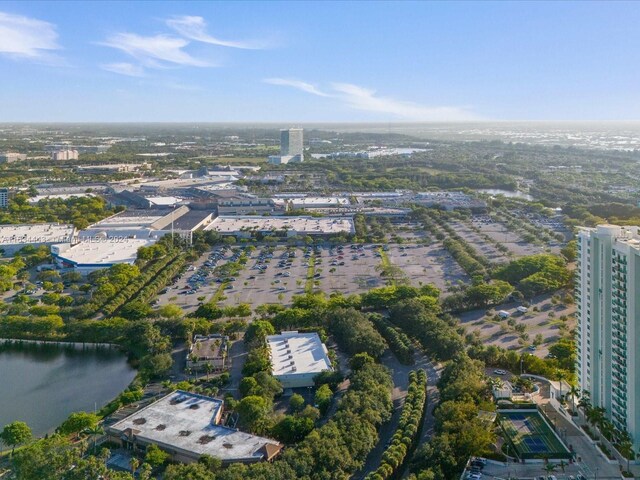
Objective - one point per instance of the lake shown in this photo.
(43, 384)
(506, 193)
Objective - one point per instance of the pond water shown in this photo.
(43, 384)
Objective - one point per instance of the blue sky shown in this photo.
(324, 61)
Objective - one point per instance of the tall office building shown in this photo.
(608, 336)
(291, 142)
(291, 147)
(4, 197)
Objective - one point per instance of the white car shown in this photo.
(499, 372)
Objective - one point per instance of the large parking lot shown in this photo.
(541, 318)
(427, 264)
(274, 274)
(501, 234)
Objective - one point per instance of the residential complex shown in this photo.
(297, 358)
(64, 155)
(608, 276)
(10, 157)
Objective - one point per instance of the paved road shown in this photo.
(400, 374)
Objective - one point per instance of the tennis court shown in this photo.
(530, 436)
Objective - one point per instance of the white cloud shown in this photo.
(27, 38)
(304, 86)
(127, 69)
(157, 51)
(365, 99)
(195, 28)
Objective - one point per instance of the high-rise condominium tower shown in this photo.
(608, 337)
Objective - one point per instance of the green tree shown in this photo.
(323, 398)
(14, 434)
(252, 409)
(296, 402)
(155, 456)
(193, 471)
(77, 422)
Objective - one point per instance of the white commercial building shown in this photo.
(287, 226)
(297, 358)
(95, 253)
(186, 425)
(15, 237)
(608, 334)
(312, 202)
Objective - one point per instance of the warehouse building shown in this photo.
(186, 426)
(297, 358)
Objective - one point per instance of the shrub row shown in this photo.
(137, 284)
(152, 288)
(399, 343)
(406, 435)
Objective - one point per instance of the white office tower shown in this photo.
(291, 147)
(608, 301)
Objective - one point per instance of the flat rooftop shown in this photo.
(98, 251)
(134, 219)
(300, 224)
(186, 421)
(297, 353)
(35, 233)
(315, 201)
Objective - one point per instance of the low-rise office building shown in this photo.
(297, 358)
(186, 426)
(250, 206)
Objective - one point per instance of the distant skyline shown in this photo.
(297, 62)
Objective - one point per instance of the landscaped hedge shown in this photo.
(406, 435)
(399, 343)
(149, 274)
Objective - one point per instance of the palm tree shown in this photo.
(208, 368)
(561, 377)
(549, 467)
(585, 401)
(625, 447)
(562, 465)
(574, 392)
(93, 432)
(134, 463)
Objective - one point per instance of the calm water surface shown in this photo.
(43, 384)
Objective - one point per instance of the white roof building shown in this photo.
(186, 426)
(15, 237)
(95, 253)
(246, 226)
(297, 358)
(313, 202)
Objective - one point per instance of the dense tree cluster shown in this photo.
(437, 336)
(535, 274)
